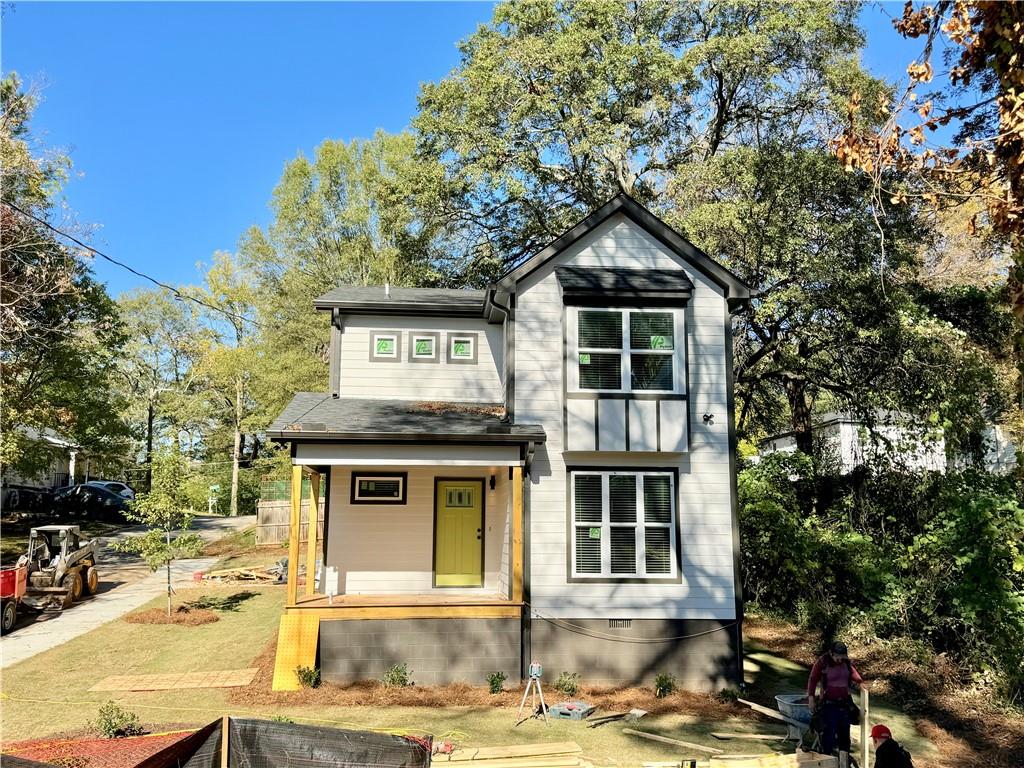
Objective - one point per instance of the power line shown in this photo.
(177, 293)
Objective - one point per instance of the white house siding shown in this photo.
(388, 549)
(407, 380)
(704, 508)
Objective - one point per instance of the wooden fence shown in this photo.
(272, 522)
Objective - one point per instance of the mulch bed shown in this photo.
(373, 693)
(182, 616)
(93, 753)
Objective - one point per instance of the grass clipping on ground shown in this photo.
(182, 616)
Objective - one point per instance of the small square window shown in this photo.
(424, 347)
(385, 346)
(462, 348)
(378, 488)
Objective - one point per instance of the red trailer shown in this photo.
(13, 583)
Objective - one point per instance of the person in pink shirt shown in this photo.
(834, 707)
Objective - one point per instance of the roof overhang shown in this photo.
(615, 286)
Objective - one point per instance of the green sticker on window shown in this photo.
(584, 358)
(385, 346)
(425, 347)
(595, 533)
(660, 342)
(461, 349)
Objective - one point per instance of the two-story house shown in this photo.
(543, 470)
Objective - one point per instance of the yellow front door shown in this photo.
(458, 538)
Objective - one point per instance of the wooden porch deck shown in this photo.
(410, 606)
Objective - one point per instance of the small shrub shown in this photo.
(664, 685)
(496, 681)
(728, 695)
(309, 677)
(397, 676)
(281, 719)
(568, 683)
(116, 722)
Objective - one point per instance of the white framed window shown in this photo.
(384, 346)
(462, 348)
(626, 350)
(623, 525)
(370, 488)
(424, 347)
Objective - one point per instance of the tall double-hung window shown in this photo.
(627, 350)
(623, 524)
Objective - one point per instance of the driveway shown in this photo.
(125, 584)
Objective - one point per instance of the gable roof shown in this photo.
(735, 289)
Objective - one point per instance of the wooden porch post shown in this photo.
(314, 514)
(293, 535)
(517, 534)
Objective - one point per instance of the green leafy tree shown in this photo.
(59, 330)
(165, 512)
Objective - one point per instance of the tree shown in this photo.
(59, 330)
(164, 510)
(559, 105)
(228, 358)
(157, 364)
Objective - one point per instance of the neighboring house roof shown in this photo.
(648, 286)
(375, 299)
(318, 416)
(735, 289)
(47, 435)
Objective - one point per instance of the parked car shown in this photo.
(122, 489)
(85, 501)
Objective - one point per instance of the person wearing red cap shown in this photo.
(888, 752)
(835, 673)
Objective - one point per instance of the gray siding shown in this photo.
(405, 379)
(705, 515)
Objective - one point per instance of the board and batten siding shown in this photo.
(404, 379)
(389, 548)
(704, 512)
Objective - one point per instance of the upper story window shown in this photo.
(385, 345)
(462, 348)
(626, 350)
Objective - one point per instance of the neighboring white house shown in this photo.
(851, 442)
(59, 472)
(541, 470)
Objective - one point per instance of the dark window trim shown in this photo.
(676, 529)
(435, 335)
(483, 532)
(373, 347)
(452, 336)
(403, 476)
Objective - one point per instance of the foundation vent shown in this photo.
(620, 623)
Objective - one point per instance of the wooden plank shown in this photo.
(293, 535)
(772, 713)
(517, 534)
(540, 761)
(799, 760)
(676, 742)
(516, 750)
(751, 736)
(297, 639)
(314, 495)
(224, 730)
(864, 733)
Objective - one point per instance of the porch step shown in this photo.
(297, 638)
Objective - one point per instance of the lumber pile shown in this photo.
(242, 574)
(799, 760)
(563, 754)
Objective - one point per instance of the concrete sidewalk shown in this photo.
(125, 584)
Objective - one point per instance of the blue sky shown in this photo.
(180, 117)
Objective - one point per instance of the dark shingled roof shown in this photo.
(646, 283)
(420, 301)
(318, 416)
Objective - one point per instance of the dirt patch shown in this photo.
(87, 751)
(182, 616)
(375, 694)
(964, 724)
